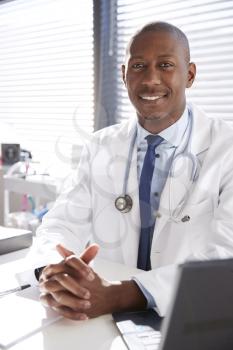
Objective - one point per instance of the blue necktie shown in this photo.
(147, 219)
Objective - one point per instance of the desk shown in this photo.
(98, 334)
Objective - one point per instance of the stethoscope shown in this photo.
(124, 203)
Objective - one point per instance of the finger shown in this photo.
(85, 258)
(50, 285)
(64, 252)
(89, 253)
(80, 267)
(64, 298)
(70, 284)
(48, 301)
(79, 264)
(53, 269)
(63, 282)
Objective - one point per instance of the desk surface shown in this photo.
(99, 333)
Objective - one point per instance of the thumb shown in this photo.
(88, 254)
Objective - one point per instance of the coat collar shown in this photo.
(201, 133)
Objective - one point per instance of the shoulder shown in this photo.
(116, 133)
(217, 129)
(222, 133)
(111, 131)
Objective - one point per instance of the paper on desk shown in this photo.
(21, 315)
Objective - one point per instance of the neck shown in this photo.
(156, 128)
(156, 124)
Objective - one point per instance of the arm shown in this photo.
(68, 221)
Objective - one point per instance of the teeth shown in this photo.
(150, 98)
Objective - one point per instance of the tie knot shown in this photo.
(154, 140)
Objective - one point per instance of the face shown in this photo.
(156, 75)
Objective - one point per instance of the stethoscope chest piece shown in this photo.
(124, 203)
(186, 218)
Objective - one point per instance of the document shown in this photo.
(21, 315)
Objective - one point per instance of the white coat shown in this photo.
(86, 211)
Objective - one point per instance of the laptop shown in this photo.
(200, 316)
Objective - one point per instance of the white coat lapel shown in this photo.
(179, 186)
(120, 152)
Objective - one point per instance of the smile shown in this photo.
(151, 98)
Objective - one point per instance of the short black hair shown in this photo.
(163, 27)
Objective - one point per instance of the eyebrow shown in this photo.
(160, 56)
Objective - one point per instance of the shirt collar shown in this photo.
(172, 135)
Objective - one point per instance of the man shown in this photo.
(184, 189)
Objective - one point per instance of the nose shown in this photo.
(151, 76)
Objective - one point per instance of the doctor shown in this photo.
(144, 205)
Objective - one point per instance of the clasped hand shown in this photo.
(72, 288)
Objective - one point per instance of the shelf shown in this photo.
(34, 187)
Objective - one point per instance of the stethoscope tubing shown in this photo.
(129, 162)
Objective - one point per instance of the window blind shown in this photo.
(47, 74)
(209, 28)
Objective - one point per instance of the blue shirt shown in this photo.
(172, 136)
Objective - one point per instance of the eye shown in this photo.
(138, 66)
(166, 65)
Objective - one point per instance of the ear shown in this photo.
(191, 74)
(123, 73)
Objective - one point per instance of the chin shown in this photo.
(153, 117)
(155, 123)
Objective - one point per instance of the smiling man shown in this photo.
(152, 192)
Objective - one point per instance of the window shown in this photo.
(209, 28)
(47, 74)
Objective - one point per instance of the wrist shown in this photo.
(125, 296)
